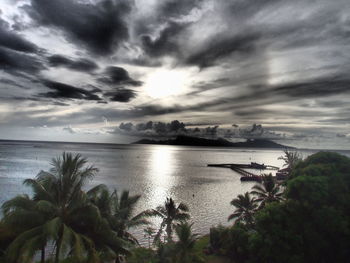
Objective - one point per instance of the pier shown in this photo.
(245, 166)
(246, 176)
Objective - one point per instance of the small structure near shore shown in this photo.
(246, 176)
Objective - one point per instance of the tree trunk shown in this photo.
(58, 247)
(169, 232)
(43, 254)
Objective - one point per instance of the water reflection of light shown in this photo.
(160, 174)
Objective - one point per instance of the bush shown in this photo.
(313, 224)
(218, 236)
(141, 255)
(231, 242)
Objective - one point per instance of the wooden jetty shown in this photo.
(245, 166)
(246, 176)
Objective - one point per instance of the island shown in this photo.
(220, 142)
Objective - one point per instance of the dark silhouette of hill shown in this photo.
(220, 142)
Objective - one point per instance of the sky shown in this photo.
(119, 70)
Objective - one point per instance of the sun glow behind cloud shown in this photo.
(164, 83)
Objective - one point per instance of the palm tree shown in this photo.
(170, 214)
(267, 191)
(26, 220)
(290, 158)
(119, 211)
(184, 247)
(62, 213)
(149, 232)
(245, 208)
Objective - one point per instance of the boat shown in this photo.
(258, 166)
(255, 178)
(282, 174)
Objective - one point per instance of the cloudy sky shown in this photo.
(116, 70)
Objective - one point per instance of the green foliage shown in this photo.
(181, 251)
(291, 158)
(170, 214)
(7, 235)
(323, 164)
(311, 225)
(59, 213)
(218, 236)
(118, 211)
(267, 191)
(231, 242)
(246, 206)
(184, 247)
(142, 255)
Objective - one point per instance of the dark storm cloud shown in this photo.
(241, 45)
(169, 16)
(84, 65)
(175, 127)
(152, 128)
(99, 27)
(12, 40)
(16, 53)
(118, 76)
(288, 92)
(165, 43)
(175, 8)
(65, 91)
(315, 88)
(154, 110)
(12, 61)
(12, 83)
(121, 95)
(126, 126)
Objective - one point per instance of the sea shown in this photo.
(153, 171)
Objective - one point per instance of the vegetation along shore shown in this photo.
(305, 218)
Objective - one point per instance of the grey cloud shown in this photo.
(65, 91)
(211, 131)
(118, 76)
(60, 104)
(99, 27)
(165, 43)
(176, 8)
(144, 126)
(12, 61)
(84, 65)
(220, 48)
(69, 129)
(272, 94)
(126, 126)
(12, 83)
(175, 127)
(152, 128)
(12, 40)
(315, 88)
(121, 95)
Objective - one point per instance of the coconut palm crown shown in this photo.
(245, 208)
(170, 214)
(267, 191)
(59, 213)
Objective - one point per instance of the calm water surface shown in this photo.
(154, 171)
